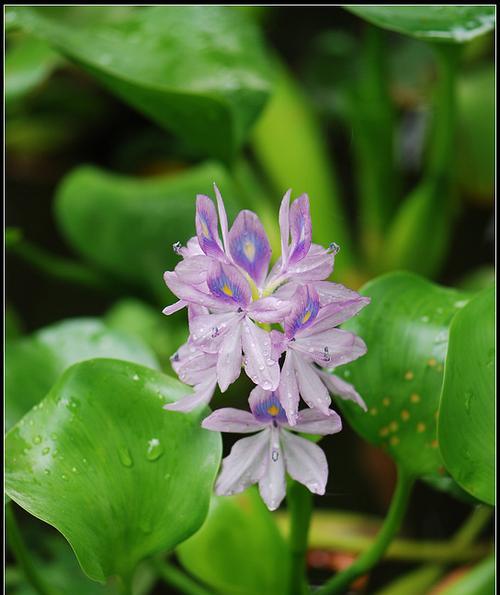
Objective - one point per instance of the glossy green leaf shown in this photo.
(239, 550)
(33, 364)
(101, 460)
(199, 71)
(406, 330)
(127, 225)
(456, 24)
(478, 581)
(149, 324)
(27, 65)
(466, 427)
(476, 134)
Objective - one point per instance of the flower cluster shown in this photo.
(235, 308)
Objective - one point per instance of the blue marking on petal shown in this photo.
(270, 410)
(249, 245)
(306, 315)
(229, 289)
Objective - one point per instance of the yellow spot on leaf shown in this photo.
(420, 428)
(383, 431)
(386, 401)
(409, 375)
(415, 398)
(432, 362)
(373, 411)
(394, 426)
(434, 444)
(405, 415)
(227, 290)
(394, 440)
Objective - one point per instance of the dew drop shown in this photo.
(46, 471)
(125, 457)
(155, 449)
(64, 477)
(46, 450)
(469, 395)
(37, 439)
(74, 469)
(135, 377)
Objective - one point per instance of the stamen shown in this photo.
(175, 357)
(333, 248)
(215, 332)
(326, 355)
(275, 455)
(177, 247)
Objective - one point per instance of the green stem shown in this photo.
(300, 503)
(55, 266)
(339, 583)
(22, 555)
(176, 578)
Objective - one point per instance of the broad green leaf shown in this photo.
(199, 71)
(296, 157)
(239, 550)
(405, 328)
(466, 428)
(456, 24)
(118, 476)
(27, 65)
(127, 226)
(150, 325)
(33, 364)
(476, 134)
(478, 581)
(13, 324)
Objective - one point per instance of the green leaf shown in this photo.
(199, 71)
(466, 427)
(406, 330)
(27, 65)
(239, 550)
(100, 460)
(33, 364)
(127, 225)
(456, 24)
(148, 324)
(478, 581)
(476, 134)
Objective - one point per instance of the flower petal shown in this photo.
(335, 292)
(342, 389)
(272, 485)
(193, 270)
(190, 293)
(259, 365)
(269, 309)
(206, 227)
(315, 266)
(244, 466)
(301, 229)
(249, 246)
(284, 219)
(202, 395)
(208, 330)
(305, 462)
(336, 313)
(192, 364)
(304, 310)
(266, 407)
(288, 390)
(312, 390)
(229, 360)
(312, 421)
(174, 307)
(330, 348)
(222, 217)
(278, 344)
(228, 285)
(229, 419)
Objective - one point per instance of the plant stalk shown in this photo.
(300, 503)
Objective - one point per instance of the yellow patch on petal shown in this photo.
(307, 315)
(273, 410)
(249, 250)
(227, 290)
(204, 229)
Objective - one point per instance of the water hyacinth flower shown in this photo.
(274, 450)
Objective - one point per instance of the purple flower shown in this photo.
(265, 457)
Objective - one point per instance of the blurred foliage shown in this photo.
(386, 121)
